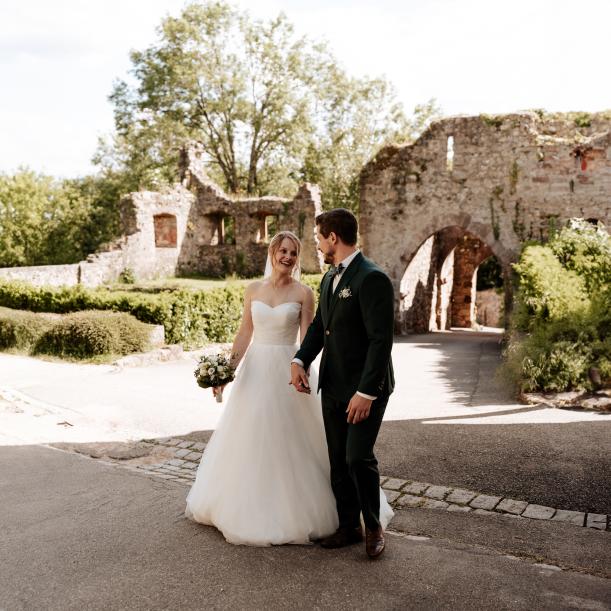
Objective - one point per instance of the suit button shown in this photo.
(327, 332)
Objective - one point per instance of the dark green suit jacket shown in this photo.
(354, 329)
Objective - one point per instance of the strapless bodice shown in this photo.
(275, 325)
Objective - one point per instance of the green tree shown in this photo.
(238, 86)
(270, 109)
(358, 117)
(44, 221)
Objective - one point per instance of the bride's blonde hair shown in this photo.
(275, 242)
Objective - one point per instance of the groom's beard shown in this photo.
(328, 257)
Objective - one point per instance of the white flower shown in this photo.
(211, 371)
(345, 293)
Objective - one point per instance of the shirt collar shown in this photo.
(346, 262)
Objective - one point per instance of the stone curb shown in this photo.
(399, 492)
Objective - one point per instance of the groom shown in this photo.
(353, 326)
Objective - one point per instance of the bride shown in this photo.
(264, 477)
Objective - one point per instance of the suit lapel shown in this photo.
(325, 296)
(343, 281)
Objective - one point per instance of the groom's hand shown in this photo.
(299, 378)
(358, 409)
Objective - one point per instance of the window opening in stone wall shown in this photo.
(271, 226)
(489, 274)
(450, 154)
(228, 230)
(216, 229)
(489, 298)
(301, 225)
(165, 230)
(261, 228)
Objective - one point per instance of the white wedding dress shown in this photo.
(264, 476)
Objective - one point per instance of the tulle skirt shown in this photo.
(264, 476)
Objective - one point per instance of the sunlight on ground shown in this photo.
(440, 379)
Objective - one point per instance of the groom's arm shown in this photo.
(313, 341)
(376, 300)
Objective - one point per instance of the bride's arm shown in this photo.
(244, 334)
(307, 312)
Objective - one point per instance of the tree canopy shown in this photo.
(271, 109)
(44, 221)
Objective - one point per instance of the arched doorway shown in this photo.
(438, 289)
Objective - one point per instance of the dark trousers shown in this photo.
(354, 468)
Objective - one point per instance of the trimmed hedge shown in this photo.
(21, 330)
(78, 335)
(191, 318)
(93, 333)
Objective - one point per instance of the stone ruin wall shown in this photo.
(511, 178)
(179, 231)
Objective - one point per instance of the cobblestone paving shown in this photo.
(399, 492)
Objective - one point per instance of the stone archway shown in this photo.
(438, 287)
(503, 179)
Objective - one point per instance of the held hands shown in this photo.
(218, 389)
(299, 379)
(358, 409)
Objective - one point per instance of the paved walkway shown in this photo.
(79, 534)
(451, 422)
(182, 459)
(498, 505)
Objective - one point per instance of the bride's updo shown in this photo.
(274, 246)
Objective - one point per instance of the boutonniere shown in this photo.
(345, 293)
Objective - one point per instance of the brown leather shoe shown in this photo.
(342, 537)
(374, 542)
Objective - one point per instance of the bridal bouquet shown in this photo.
(214, 370)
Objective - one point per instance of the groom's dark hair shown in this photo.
(341, 222)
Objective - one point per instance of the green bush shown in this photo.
(561, 325)
(127, 276)
(93, 333)
(78, 335)
(585, 249)
(546, 289)
(191, 318)
(20, 330)
(558, 355)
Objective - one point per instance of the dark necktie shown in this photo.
(335, 272)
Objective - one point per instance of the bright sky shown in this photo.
(59, 58)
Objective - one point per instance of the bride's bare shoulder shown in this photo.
(305, 291)
(253, 288)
